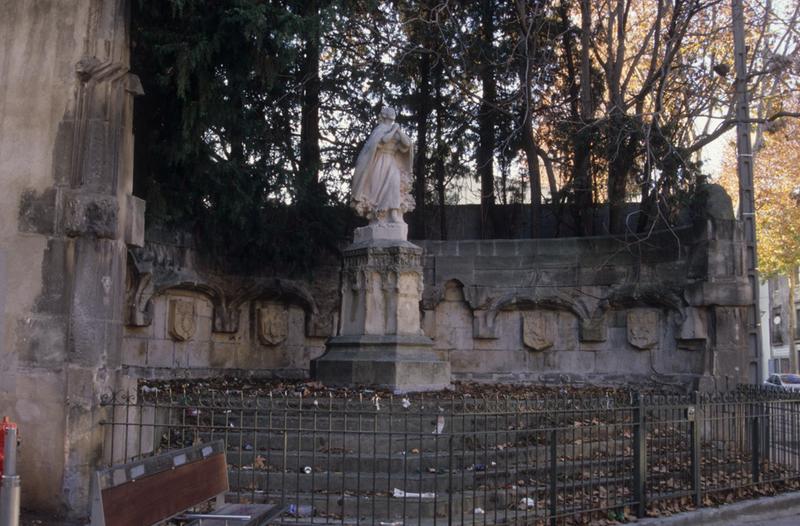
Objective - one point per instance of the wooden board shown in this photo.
(154, 498)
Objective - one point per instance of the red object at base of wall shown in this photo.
(4, 425)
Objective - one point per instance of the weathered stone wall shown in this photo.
(66, 215)
(593, 309)
(185, 319)
(666, 308)
(513, 221)
(669, 308)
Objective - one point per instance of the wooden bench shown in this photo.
(163, 487)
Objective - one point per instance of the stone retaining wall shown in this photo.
(667, 308)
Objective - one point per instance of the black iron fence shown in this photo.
(459, 459)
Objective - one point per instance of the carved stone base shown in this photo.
(402, 363)
(380, 340)
(381, 288)
(381, 231)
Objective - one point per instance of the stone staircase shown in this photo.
(389, 464)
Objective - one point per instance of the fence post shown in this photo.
(756, 442)
(766, 422)
(553, 476)
(695, 416)
(450, 479)
(639, 455)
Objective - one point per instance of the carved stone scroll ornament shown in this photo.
(594, 329)
(155, 271)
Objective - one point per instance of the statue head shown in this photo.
(388, 114)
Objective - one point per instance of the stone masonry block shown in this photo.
(91, 215)
(470, 248)
(37, 212)
(461, 268)
(161, 353)
(134, 221)
(506, 248)
(134, 352)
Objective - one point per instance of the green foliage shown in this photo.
(255, 110)
(216, 148)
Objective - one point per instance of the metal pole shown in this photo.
(553, 477)
(694, 416)
(744, 155)
(639, 456)
(10, 485)
(756, 442)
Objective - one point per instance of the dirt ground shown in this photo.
(28, 518)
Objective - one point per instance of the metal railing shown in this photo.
(460, 459)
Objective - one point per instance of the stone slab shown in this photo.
(375, 231)
(395, 362)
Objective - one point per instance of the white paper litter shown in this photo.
(400, 494)
(439, 425)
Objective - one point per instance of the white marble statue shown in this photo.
(381, 189)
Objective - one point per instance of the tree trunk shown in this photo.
(529, 147)
(423, 109)
(620, 155)
(551, 176)
(441, 151)
(581, 176)
(486, 133)
(528, 144)
(309, 111)
(536, 187)
(792, 321)
(648, 200)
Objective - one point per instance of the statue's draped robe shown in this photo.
(381, 181)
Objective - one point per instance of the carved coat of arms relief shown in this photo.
(642, 327)
(182, 323)
(539, 329)
(272, 323)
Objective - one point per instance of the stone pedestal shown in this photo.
(381, 233)
(380, 340)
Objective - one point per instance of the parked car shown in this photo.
(787, 382)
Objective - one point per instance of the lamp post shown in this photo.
(744, 157)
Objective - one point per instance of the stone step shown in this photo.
(369, 442)
(507, 501)
(420, 481)
(511, 517)
(386, 507)
(369, 400)
(423, 460)
(395, 422)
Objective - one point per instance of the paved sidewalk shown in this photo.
(781, 510)
(786, 520)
